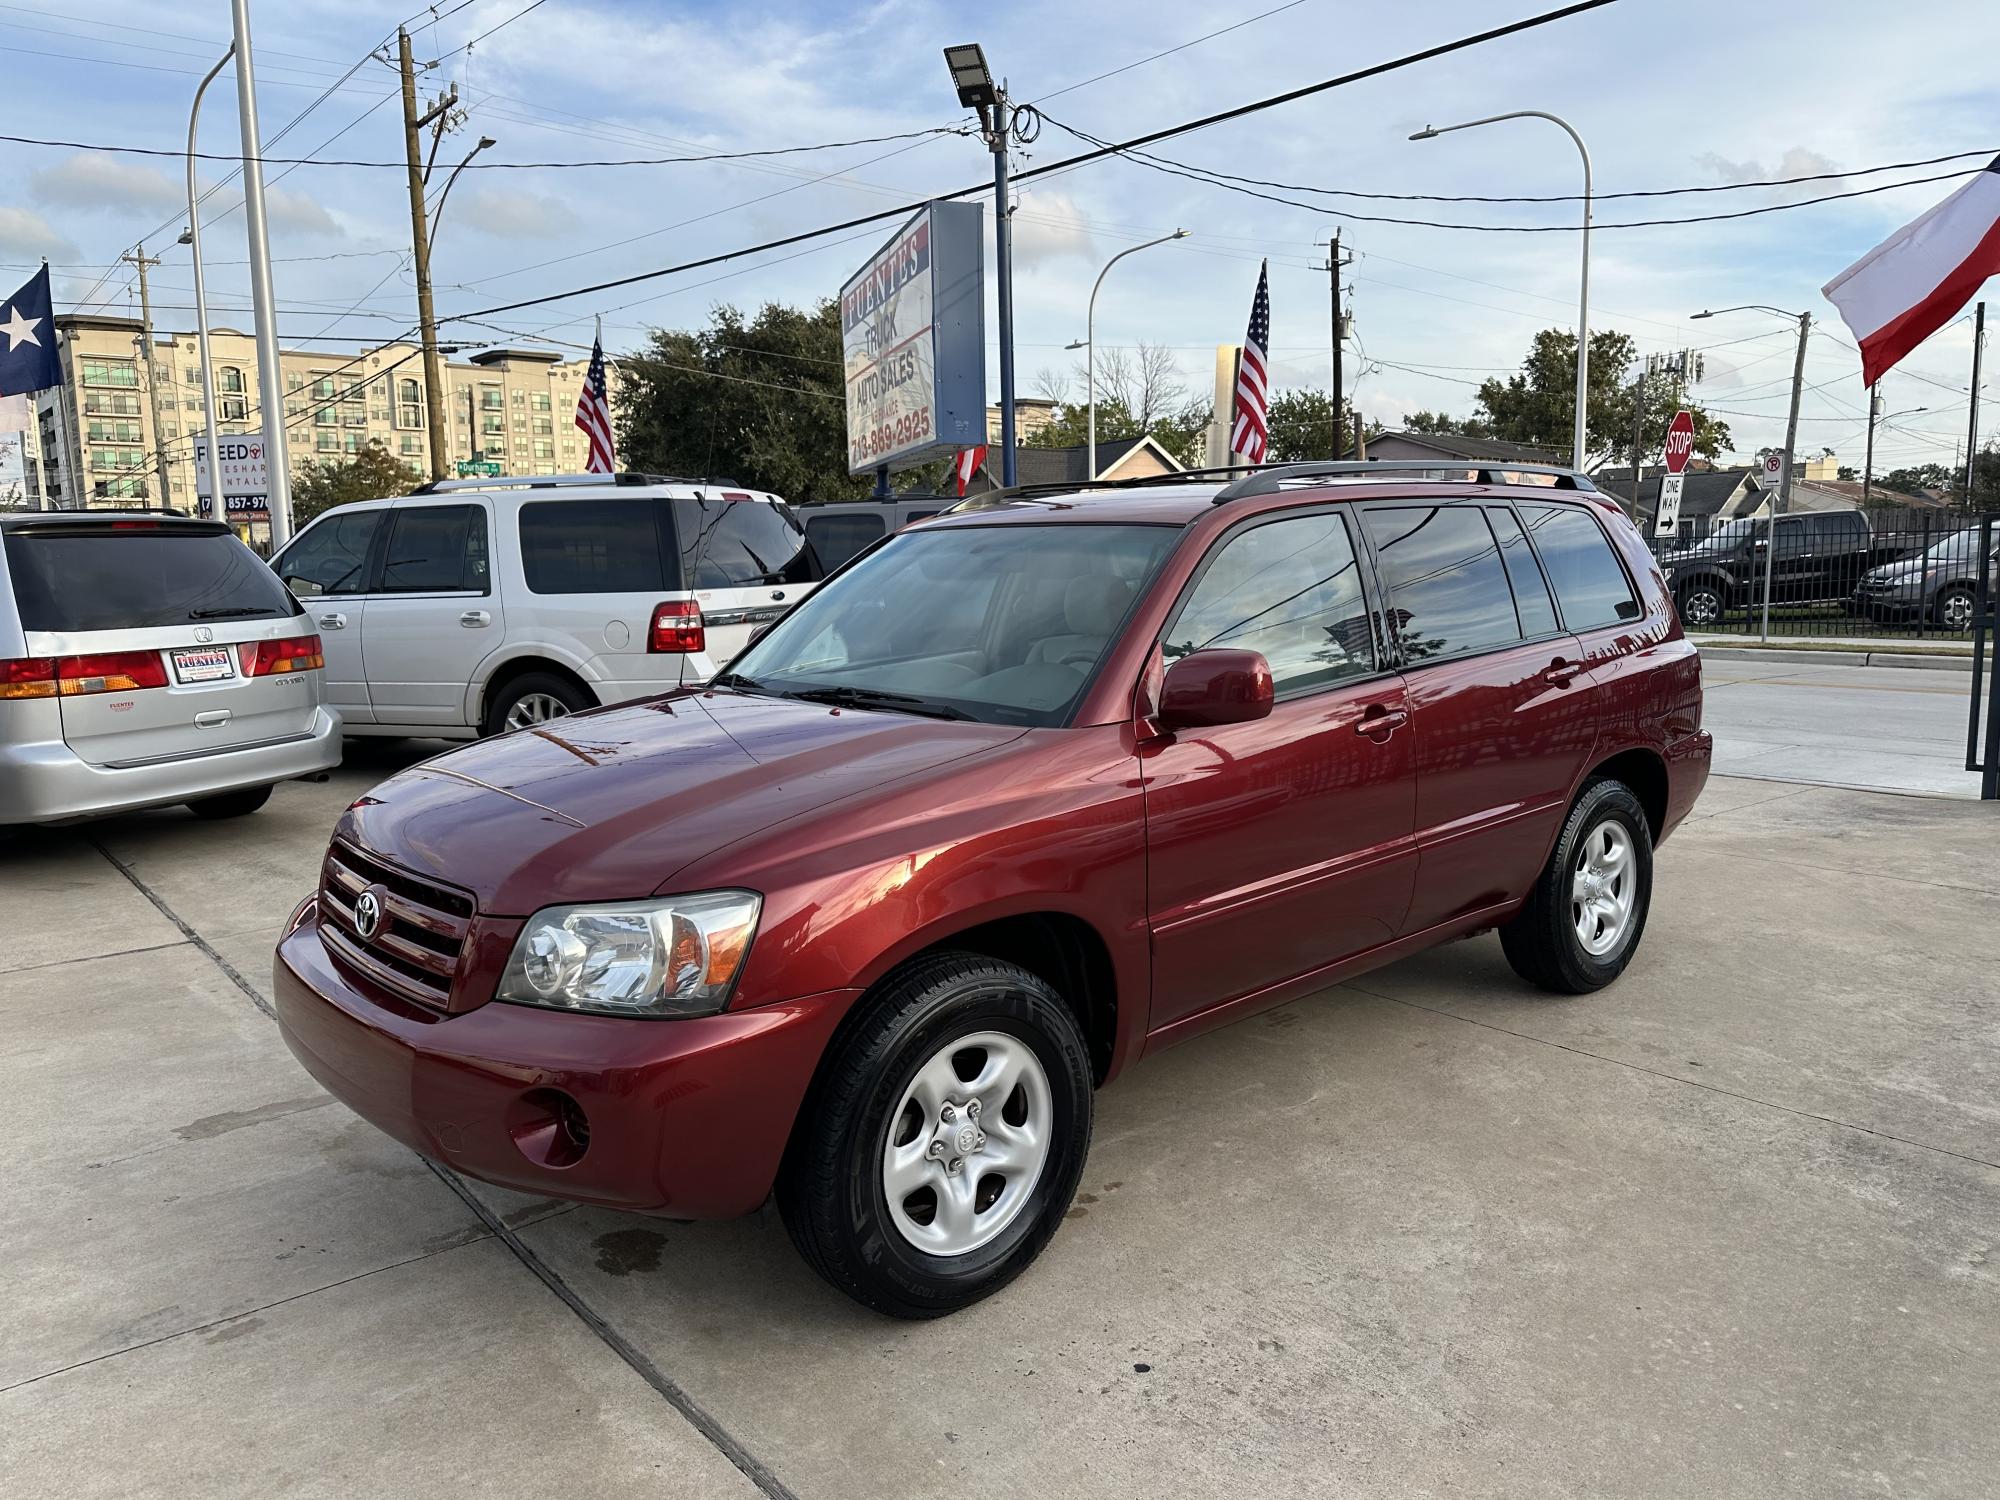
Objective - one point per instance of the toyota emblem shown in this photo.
(368, 914)
(203, 634)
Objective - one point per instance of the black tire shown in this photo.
(1701, 605)
(230, 804)
(830, 1189)
(573, 698)
(1542, 942)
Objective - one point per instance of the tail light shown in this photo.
(78, 676)
(677, 626)
(299, 653)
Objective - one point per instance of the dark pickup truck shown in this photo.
(1820, 557)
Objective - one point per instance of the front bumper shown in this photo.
(44, 781)
(684, 1118)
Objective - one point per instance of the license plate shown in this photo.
(204, 664)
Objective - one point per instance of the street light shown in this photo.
(1090, 340)
(1784, 501)
(976, 90)
(1874, 416)
(192, 239)
(1431, 132)
(486, 142)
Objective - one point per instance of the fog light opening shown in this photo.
(549, 1128)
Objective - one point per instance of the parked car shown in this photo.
(477, 606)
(1027, 792)
(1940, 584)
(842, 529)
(147, 660)
(1820, 558)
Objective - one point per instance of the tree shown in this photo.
(757, 401)
(1181, 431)
(1538, 406)
(1303, 425)
(1438, 423)
(371, 474)
(1934, 477)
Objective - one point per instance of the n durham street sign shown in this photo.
(913, 343)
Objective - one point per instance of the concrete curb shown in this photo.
(1938, 662)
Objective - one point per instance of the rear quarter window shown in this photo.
(594, 547)
(1589, 581)
(837, 538)
(97, 578)
(741, 543)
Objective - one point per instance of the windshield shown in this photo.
(1728, 534)
(1957, 547)
(1004, 624)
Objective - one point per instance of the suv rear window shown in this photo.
(97, 578)
(594, 547)
(837, 538)
(1590, 585)
(739, 543)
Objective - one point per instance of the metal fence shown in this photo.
(1910, 575)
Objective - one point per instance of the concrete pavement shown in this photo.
(1726, 1228)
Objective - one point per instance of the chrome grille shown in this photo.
(415, 949)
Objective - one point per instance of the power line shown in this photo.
(1270, 101)
(488, 166)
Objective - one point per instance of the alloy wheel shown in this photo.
(1601, 888)
(967, 1143)
(535, 708)
(1700, 607)
(1955, 610)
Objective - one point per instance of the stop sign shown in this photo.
(1680, 441)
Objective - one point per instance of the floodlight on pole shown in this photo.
(997, 118)
(970, 76)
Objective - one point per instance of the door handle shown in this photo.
(333, 622)
(1378, 723)
(1560, 673)
(472, 619)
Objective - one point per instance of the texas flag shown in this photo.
(1915, 281)
(28, 359)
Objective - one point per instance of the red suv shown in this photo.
(1019, 796)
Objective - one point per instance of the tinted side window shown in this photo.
(1840, 527)
(739, 543)
(837, 538)
(332, 557)
(1531, 590)
(591, 547)
(1589, 581)
(1447, 587)
(1290, 589)
(436, 549)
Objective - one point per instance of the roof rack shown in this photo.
(1268, 481)
(560, 481)
(1071, 486)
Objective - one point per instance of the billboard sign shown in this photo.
(913, 343)
(246, 478)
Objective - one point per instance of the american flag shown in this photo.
(593, 413)
(1249, 429)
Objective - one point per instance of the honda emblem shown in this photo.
(203, 634)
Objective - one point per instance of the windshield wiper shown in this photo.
(230, 614)
(738, 681)
(860, 697)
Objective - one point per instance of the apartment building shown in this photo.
(513, 408)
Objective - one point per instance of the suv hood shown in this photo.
(607, 806)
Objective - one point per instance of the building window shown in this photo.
(328, 442)
(490, 398)
(545, 450)
(356, 442)
(409, 404)
(232, 379)
(325, 388)
(520, 423)
(539, 401)
(294, 381)
(412, 444)
(519, 398)
(194, 375)
(326, 417)
(164, 374)
(110, 372)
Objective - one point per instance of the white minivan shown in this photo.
(477, 606)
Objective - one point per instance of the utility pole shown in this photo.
(1333, 264)
(1784, 500)
(1868, 464)
(1003, 268)
(413, 126)
(1638, 438)
(138, 257)
(1972, 426)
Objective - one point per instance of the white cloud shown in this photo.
(1048, 226)
(511, 214)
(26, 235)
(92, 182)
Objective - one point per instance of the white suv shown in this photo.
(476, 606)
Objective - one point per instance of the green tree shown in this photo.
(1538, 406)
(1304, 425)
(1180, 431)
(1919, 477)
(758, 401)
(371, 474)
(1438, 423)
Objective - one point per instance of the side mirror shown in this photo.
(1207, 689)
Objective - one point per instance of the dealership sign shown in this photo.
(913, 343)
(246, 478)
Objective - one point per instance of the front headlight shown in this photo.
(675, 956)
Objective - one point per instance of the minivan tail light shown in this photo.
(677, 626)
(28, 677)
(109, 672)
(298, 653)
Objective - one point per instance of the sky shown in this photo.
(1666, 95)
